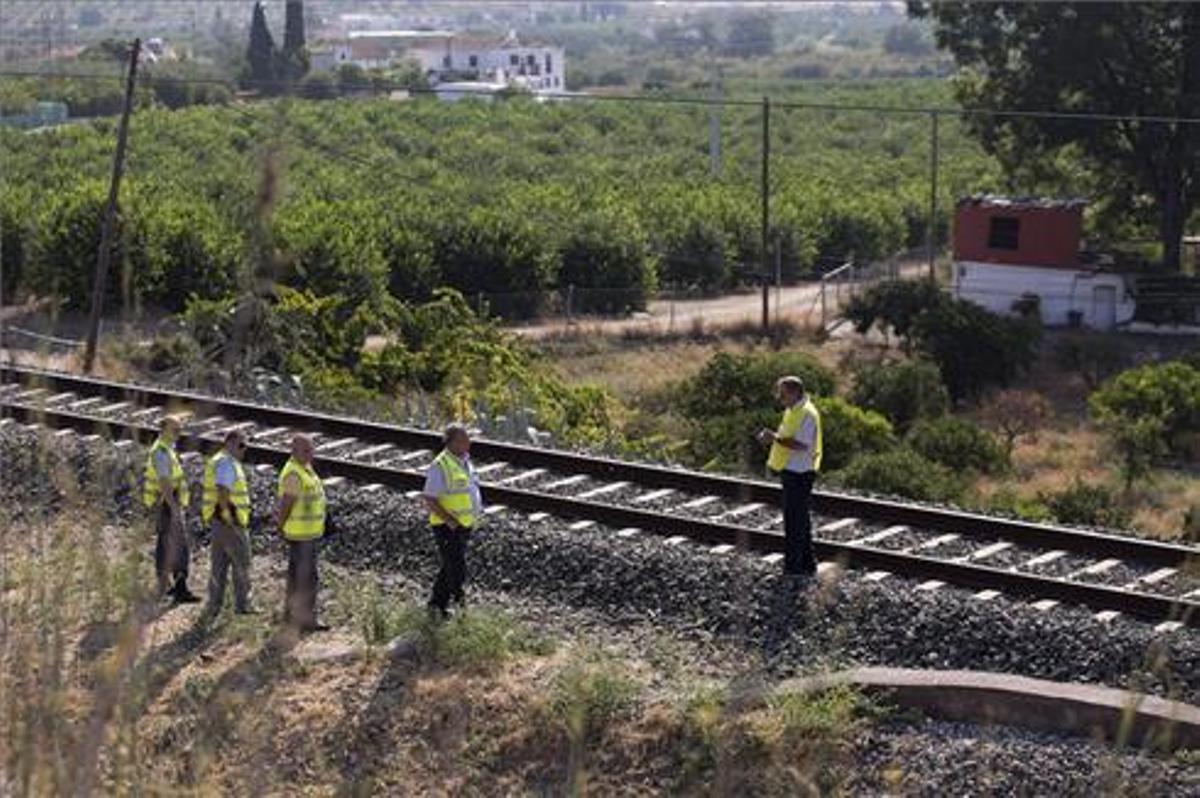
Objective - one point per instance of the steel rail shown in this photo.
(1098, 597)
(870, 509)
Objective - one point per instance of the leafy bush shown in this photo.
(1007, 502)
(731, 383)
(733, 396)
(1085, 504)
(893, 305)
(63, 246)
(848, 431)
(957, 444)
(901, 472)
(588, 694)
(500, 254)
(605, 258)
(903, 392)
(974, 349)
(1168, 393)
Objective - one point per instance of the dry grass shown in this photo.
(105, 691)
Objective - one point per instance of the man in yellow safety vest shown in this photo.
(226, 506)
(165, 493)
(455, 506)
(300, 515)
(796, 456)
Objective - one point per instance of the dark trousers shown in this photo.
(230, 549)
(798, 557)
(452, 551)
(301, 607)
(170, 551)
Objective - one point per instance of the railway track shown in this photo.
(1044, 564)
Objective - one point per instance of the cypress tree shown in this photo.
(261, 55)
(293, 60)
(293, 31)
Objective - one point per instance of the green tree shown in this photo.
(1111, 58)
(293, 58)
(956, 443)
(261, 55)
(903, 392)
(1149, 412)
(848, 431)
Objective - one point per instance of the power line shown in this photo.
(382, 86)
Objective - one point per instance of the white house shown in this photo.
(541, 68)
(1013, 251)
(449, 57)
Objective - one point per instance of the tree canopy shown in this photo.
(1121, 59)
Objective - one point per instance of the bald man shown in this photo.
(300, 515)
(165, 493)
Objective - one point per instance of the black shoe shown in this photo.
(310, 628)
(185, 596)
(248, 611)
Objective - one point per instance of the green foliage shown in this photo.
(848, 431)
(605, 258)
(894, 305)
(733, 396)
(974, 349)
(588, 694)
(902, 472)
(262, 59)
(1006, 501)
(1086, 504)
(63, 247)
(903, 392)
(1149, 412)
(957, 444)
(1108, 58)
(499, 254)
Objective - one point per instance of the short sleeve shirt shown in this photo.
(226, 475)
(291, 485)
(162, 463)
(435, 484)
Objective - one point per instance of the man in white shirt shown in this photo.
(455, 507)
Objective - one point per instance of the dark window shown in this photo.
(531, 59)
(549, 64)
(473, 61)
(1004, 233)
(445, 62)
(513, 59)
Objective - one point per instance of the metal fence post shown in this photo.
(931, 232)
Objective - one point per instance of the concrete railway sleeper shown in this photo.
(363, 457)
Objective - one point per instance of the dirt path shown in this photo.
(799, 304)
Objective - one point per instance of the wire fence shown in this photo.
(812, 201)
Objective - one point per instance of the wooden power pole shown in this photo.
(99, 282)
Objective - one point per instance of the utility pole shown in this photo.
(110, 212)
(765, 272)
(931, 231)
(714, 125)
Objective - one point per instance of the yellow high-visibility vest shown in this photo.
(457, 496)
(793, 417)
(307, 518)
(150, 491)
(239, 494)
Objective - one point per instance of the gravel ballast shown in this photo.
(687, 589)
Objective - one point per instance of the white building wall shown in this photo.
(497, 63)
(1101, 298)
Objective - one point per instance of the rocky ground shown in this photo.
(679, 616)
